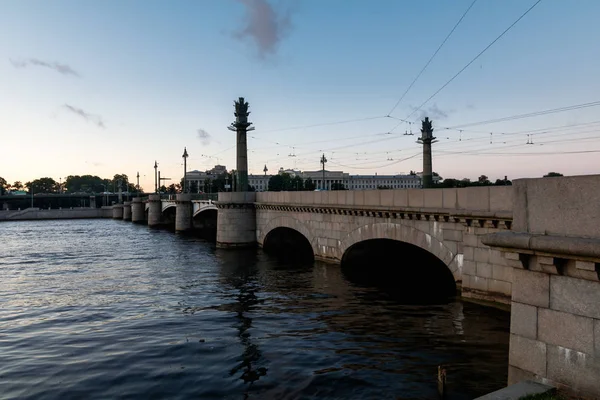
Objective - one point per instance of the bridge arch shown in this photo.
(166, 206)
(290, 223)
(405, 234)
(204, 209)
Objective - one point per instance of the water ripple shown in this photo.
(104, 309)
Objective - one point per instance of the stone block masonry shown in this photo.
(236, 219)
(432, 219)
(555, 258)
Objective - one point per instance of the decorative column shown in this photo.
(236, 221)
(241, 126)
(117, 211)
(154, 210)
(183, 214)
(127, 211)
(426, 140)
(138, 212)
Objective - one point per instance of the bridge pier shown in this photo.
(117, 211)
(183, 213)
(154, 210)
(127, 211)
(554, 250)
(137, 210)
(236, 221)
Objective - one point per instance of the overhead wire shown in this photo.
(432, 57)
(474, 59)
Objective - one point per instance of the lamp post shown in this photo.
(323, 161)
(155, 177)
(185, 156)
(138, 183)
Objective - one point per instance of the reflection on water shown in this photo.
(106, 309)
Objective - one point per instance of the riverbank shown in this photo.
(34, 213)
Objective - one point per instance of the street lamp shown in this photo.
(185, 156)
(323, 161)
(155, 177)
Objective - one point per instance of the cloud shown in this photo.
(264, 25)
(433, 112)
(204, 137)
(58, 67)
(95, 119)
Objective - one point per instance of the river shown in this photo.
(100, 309)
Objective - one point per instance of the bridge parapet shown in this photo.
(555, 253)
(485, 199)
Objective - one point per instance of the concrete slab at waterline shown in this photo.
(517, 391)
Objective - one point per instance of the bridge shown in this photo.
(534, 245)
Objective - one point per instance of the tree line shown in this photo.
(72, 184)
(277, 183)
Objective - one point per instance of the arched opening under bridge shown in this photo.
(405, 272)
(168, 217)
(288, 245)
(205, 224)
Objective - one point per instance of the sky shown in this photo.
(107, 87)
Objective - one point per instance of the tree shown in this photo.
(86, 183)
(483, 180)
(3, 186)
(309, 184)
(43, 185)
(338, 186)
(502, 182)
(174, 188)
(17, 186)
(279, 182)
(162, 189)
(552, 174)
(297, 183)
(285, 182)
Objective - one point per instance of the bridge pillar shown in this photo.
(183, 213)
(127, 211)
(117, 211)
(137, 210)
(154, 210)
(236, 221)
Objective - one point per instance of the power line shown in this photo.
(325, 124)
(529, 115)
(476, 57)
(432, 57)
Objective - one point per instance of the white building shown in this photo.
(260, 183)
(350, 182)
(198, 178)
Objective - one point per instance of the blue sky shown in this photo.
(105, 87)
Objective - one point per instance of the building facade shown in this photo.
(350, 182)
(260, 182)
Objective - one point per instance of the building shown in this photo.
(197, 178)
(350, 182)
(260, 183)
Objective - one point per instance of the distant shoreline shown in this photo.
(33, 214)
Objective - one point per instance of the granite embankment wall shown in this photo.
(65, 213)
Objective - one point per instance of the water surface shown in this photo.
(101, 309)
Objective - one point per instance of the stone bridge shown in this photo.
(448, 223)
(197, 205)
(534, 245)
